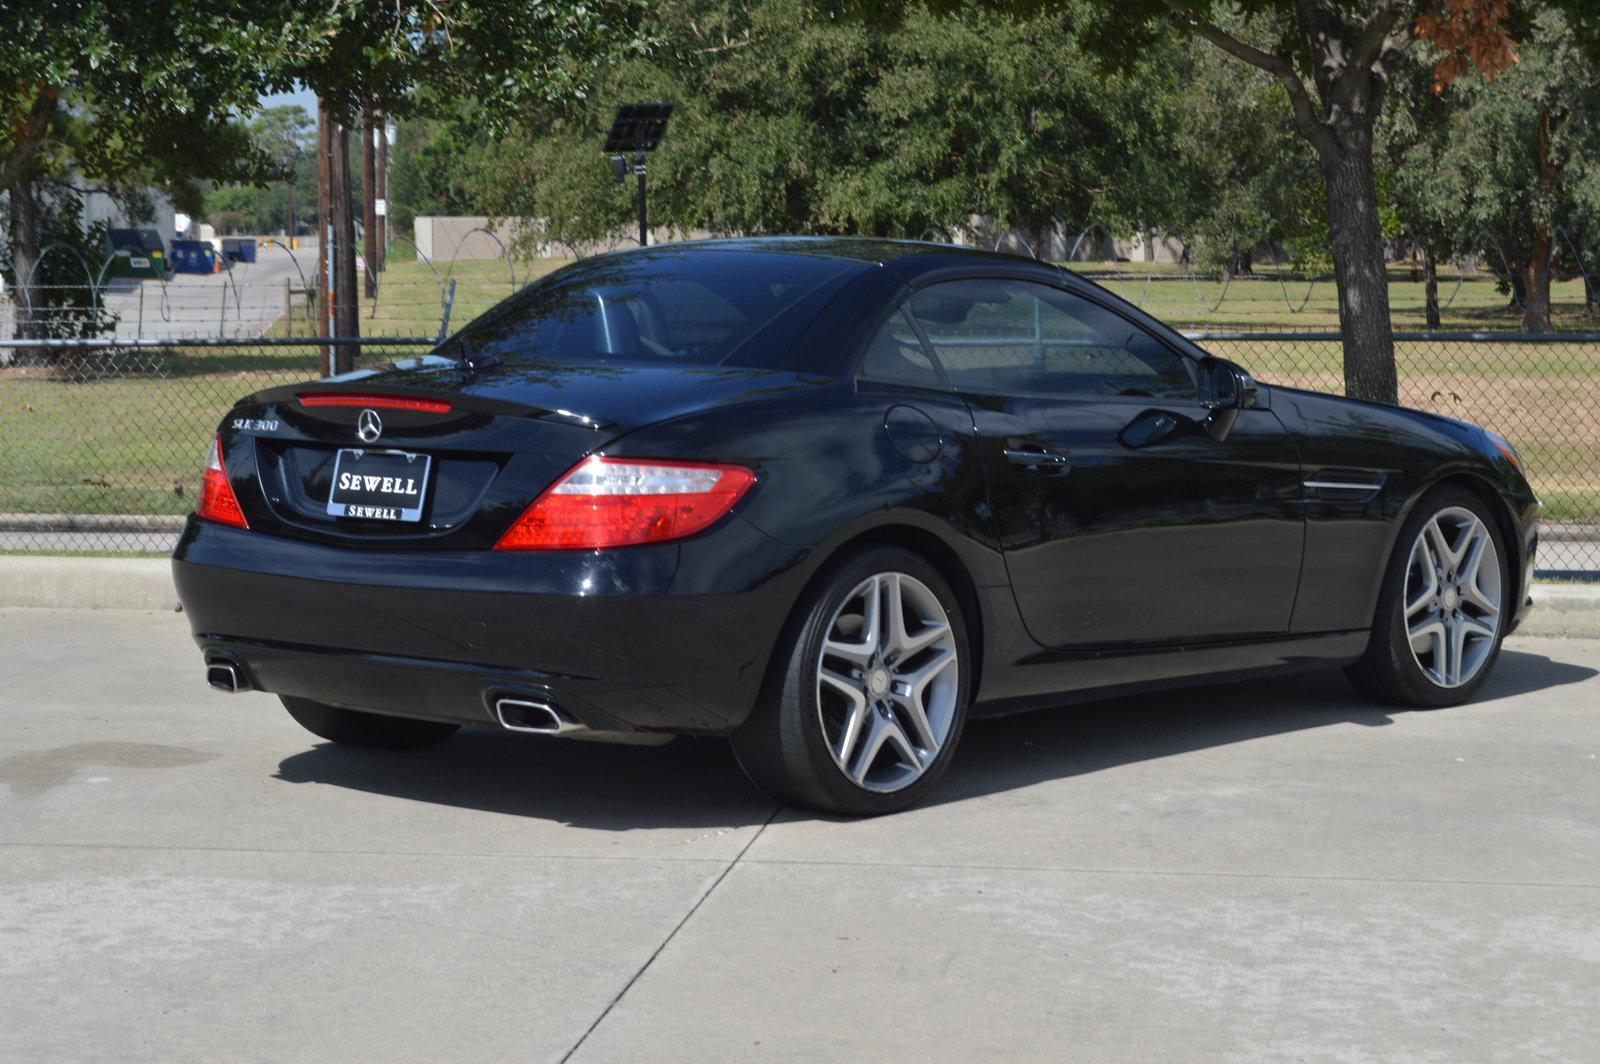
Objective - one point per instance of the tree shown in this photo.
(790, 121)
(402, 57)
(1333, 59)
(1237, 173)
(436, 157)
(64, 301)
(127, 92)
(1524, 147)
(283, 134)
(277, 199)
(1426, 189)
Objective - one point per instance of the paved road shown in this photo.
(1267, 872)
(240, 302)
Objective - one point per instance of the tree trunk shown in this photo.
(1591, 293)
(1430, 283)
(24, 258)
(1536, 284)
(1356, 241)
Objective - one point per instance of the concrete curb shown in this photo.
(1570, 611)
(87, 583)
(92, 522)
(1561, 610)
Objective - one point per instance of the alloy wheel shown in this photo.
(1453, 597)
(888, 680)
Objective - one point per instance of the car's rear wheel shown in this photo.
(1443, 607)
(868, 694)
(353, 728)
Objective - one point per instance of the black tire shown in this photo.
(1388, 671)
(783, 747)
(350, 727)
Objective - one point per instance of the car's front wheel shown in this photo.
(868, 696)
(351, 727)
(1443, 606)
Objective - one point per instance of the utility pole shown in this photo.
(369, 211)
(325, 318)
(346, 309)
(383, 189)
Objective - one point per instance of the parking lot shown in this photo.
(1269, 871)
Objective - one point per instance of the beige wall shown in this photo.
(443, 239)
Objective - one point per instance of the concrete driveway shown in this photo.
(1271, 871)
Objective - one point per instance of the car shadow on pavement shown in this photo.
(686, 784)
(1004, 753)
(695, 783)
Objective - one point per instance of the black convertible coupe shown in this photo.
(830, 498)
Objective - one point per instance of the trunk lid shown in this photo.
(474, 448)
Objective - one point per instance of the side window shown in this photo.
(1002, 336)
(897, 356)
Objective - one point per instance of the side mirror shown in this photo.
(1226, 389)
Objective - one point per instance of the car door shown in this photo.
(1122, 518)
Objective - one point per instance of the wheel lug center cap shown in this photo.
(1450, 599)
(878, 682)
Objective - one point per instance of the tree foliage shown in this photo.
(791, 121)
(1506, 166)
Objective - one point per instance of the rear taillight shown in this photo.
(625, 502)
(217, 500)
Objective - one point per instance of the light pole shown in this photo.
(637, 129)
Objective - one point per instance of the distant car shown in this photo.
(831, 498)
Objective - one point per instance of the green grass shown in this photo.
(1274, 299)
(410, 296)
(114, 446)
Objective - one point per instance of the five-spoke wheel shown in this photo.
(868, 694)
(1453, 596)
(1442, 606)
(887, 679)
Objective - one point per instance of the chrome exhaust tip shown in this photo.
(541, 718)
(225, 676)
(525, 715)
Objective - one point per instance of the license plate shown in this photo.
(379, 485)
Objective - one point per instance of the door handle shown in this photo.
(1048, 463)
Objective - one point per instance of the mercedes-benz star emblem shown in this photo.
(369, 426)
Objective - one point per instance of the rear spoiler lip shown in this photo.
(289, 394)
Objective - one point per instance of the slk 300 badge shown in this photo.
(250, 424)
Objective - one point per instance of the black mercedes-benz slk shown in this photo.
(830, 498)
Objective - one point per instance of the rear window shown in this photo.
(693, 307)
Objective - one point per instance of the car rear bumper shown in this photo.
(615, 640)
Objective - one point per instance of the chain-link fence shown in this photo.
(101, 442)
